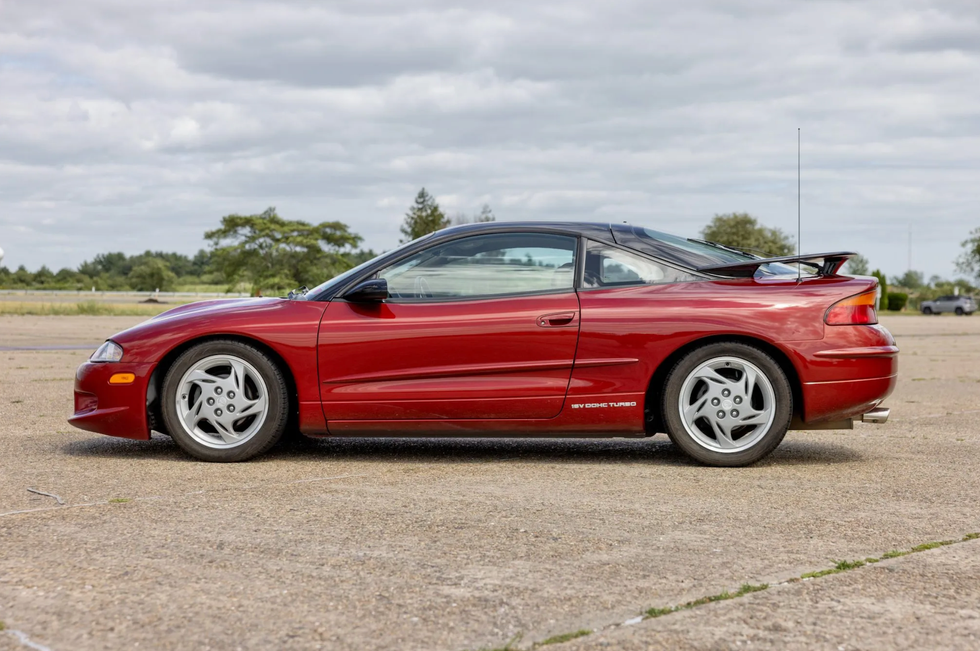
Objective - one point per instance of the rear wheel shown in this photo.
(225, 401)
(927, 310)
(727, 404)
(959, 311)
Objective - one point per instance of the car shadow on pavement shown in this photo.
(468, 450)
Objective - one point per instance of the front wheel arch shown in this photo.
(653, 415)
(154, 387)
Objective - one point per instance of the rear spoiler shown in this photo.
(827, 264)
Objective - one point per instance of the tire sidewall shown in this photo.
(278, 398)
(783, 397)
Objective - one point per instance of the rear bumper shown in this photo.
(842, 399)
(848, 373)
(112, 409)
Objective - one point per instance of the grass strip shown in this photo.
(564, 637)
(83, 308)
(745, 589)
(839, 566)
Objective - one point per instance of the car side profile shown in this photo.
(533, 329)
(958, 305)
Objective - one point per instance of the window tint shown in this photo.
(485, 266)
(609, 266)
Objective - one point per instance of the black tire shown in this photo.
(959, 311)
(766, 443)
(264, 437)
(927, 310)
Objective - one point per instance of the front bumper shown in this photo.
(112, 409)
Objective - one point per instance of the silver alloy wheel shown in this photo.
(727, 404)
(222, 401)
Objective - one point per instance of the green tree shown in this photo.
(274, 253)
(360, 256)
(969, 261)
(910, 280)
(856, 266)
(423, 217)
(201, 263)
(151, 274)
(22, 277)
(883, 284)
(43, 276)
(485, 215)
(742, 231)
(114, 264)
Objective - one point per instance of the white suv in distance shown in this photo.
(958, 305)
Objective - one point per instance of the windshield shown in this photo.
(344, 278)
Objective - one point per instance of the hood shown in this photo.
(216, 306)
(263, 319)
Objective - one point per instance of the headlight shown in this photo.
(110, 351)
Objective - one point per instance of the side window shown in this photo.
(485, 266)
(609, 266)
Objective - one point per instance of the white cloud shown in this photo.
(133, 125)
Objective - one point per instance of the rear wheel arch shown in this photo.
(654, 419)
(155, 385)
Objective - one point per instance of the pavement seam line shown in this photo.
(153, 498)
(25, 640)
(725, 595)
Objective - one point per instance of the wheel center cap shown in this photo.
(224, 401)
(727, 404)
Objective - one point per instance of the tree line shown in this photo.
(262, 253)
(265, 253)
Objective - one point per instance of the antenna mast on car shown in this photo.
(799, 219)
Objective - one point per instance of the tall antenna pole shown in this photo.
(910, 246)
(799, 218)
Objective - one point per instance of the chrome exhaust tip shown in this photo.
(877, 415)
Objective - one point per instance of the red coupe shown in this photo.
(512, 329)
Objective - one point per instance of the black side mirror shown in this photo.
(369, 291)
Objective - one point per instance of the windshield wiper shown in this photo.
(297, 293)
(755, 253)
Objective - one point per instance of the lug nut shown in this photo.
(217, 391)
(715, 402)
(210, 401)
(231, 395)
(721, 414)
(726, 392)
(738, 400)
(217, 412)
(734, 413)
(231, 409)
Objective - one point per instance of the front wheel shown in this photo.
(727, 404)
(225, 401)
(927, 310)
(959, 311)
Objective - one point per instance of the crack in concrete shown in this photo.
(743, 590)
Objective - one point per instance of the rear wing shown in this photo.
(826, 264)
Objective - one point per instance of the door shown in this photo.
(482, 327)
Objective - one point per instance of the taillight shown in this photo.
(855, 310)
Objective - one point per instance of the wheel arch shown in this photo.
(654, 420)
(155, 384)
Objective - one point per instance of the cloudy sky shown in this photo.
(133, 125)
